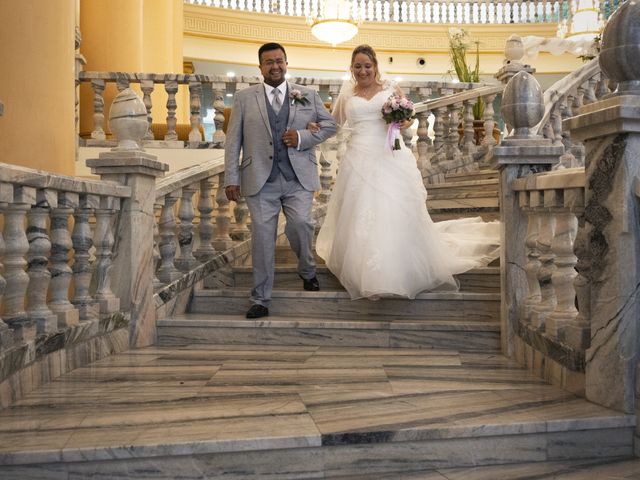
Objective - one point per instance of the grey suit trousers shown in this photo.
(264, 207)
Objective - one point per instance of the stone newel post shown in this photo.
(610, 129)
(518, 155)
(133, 263)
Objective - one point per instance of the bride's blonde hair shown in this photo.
(369, 52)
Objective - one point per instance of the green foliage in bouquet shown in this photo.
(459, 43)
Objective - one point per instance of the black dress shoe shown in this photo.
(257, 311)
(311, 285)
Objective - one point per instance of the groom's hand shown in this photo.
(232, 192)
(290, 138)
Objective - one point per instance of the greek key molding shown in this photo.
(259, 28)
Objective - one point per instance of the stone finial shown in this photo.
(621, 48)
(514, 49)
(522, 105)
(128, 120)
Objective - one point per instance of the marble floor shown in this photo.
(216, 399)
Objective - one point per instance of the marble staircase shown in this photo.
(466, 320)
(465, 194)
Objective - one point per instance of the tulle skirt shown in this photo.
(378, 238)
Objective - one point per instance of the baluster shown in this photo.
(325, 178)
(438, 140)
(97, 84)
(533, 259)
(122, 81)
(6, 336)
(157, 208)
(205, 232)
(219, 136)
(241, 213)
(556, 124)
(567, 159)
(37, 260)
(453, 151)
(82, 243)
(222, 240)
(469, 141)
(578, 332)
(168, 272)
(590, 91)
(423, 139)
(16, 247)
(564, 274)
(147, 87)
(547, 131)
(104, 241)
(601, 89)
(548, 300)
(577, 147)
(195, 93)
(171, 86)
(489, 122)
(61, 273)
(186, 261)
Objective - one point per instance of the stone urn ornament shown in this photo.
(620, 48)
(128, 120)
(514, 49)
(522, 104)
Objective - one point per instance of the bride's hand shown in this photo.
(404, 124)
(313, 127)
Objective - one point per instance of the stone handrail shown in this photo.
(416, 11)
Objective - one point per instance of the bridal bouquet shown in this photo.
(395, 110)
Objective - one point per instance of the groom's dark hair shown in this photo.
(270, 46)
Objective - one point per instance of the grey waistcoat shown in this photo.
(281, 162)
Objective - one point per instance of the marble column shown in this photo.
(518, 155)
(610, 130)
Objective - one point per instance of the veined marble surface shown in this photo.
(208, 400)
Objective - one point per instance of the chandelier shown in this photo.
(336, 22)
(583, 22)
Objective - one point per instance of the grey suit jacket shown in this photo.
(249, 132)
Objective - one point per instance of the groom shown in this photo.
(278, 170)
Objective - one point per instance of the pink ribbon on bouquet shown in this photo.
(392, 133)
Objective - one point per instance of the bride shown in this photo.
(377, 237)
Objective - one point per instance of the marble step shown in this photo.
(468, 306)
(255, 412)
(285, 256)
(191, 329)
(477, 280)
(466, 201)
(465, 186)
(488, 215)
(487, 174)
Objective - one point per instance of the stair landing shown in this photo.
(285, 412)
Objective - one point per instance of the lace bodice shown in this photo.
(365, 117)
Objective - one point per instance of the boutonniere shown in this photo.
(296, 96)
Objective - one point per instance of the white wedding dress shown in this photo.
(377, 237)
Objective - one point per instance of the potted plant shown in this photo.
(459, 43)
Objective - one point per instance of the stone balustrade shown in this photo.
(56, 250)
(552, 203)
(563, 100)
(416, 11)
(218, 86)
(450, 152)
